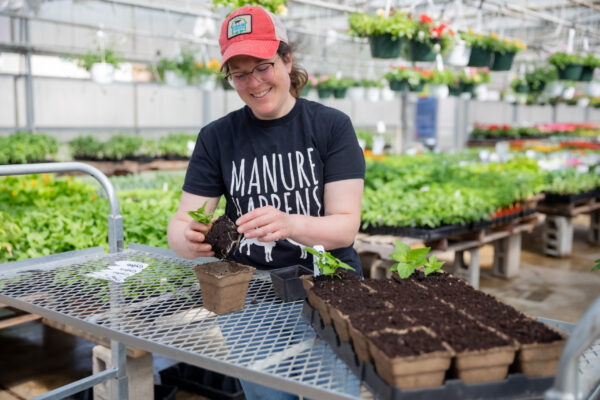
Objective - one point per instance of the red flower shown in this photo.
(505, 127)
(425, 19)
(493, 127)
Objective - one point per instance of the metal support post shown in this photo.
(120, 391)
(466, 104)
(403, 119)
(24, 23)
(515, 113)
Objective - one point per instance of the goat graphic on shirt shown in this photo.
(286, 181)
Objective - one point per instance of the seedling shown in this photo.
(409, 259)
(597, 266)
(201, 215)
(327, 263)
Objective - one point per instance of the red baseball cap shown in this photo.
(251, 31)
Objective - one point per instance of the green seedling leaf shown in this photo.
(433, 265)
(201, 215)
(327, 263)
(408, 259)
(597, 266)
(401, 252)
(405, 269)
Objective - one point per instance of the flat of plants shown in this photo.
(424, 329)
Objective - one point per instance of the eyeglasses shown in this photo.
(263, 72)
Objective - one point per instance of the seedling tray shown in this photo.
(515, 386)
(201, 381)
(555, 198)
(427, 234)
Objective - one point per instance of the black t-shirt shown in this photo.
(284, 163)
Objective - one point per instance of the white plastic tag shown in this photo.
(316, 269)
(120, 272)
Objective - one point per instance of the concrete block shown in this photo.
(380, 269)
(469, 272)
(558, 235)
(594, 231)
(140, 375)
(507, 256)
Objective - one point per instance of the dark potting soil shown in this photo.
(526, 331)
(330, 288)
(410, 343)
(349, 300)
(459, 331)
(379, 320)
(402, 294)
(223, 236)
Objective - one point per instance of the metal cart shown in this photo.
(268, 342)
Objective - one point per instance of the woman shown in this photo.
(291, 170)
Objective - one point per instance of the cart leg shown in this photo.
(507, 256)
(594, 232)
(470, 272)
(558, 235)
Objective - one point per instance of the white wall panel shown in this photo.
(7, 102)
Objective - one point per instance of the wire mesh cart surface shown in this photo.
(160, 310)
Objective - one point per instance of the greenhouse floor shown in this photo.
(36, 358)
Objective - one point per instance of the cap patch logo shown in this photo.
(239, 25)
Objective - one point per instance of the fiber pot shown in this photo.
(224, 285)
(385, 46)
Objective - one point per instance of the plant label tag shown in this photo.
(378, 144)
(316, 269)
(120, 272)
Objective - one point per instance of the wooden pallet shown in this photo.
(571, 209)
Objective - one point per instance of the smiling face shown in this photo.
(270, 99)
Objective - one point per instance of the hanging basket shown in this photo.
(538, 89)
(440, 91)
(467, 88)
(416, 88)
(102, 73)
(502, 61)
(455, 90)
(419, 51)
(480, 57)
(339, 93)
(226, 85)
(305, 91)
(521, 88)
(458, 55)
(172, 78)
(385, 46)
(570, 72)
(587, 73)
(398, 85)
(324, 93)
(356, 93)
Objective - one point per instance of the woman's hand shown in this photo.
(194, 234)
(265, 223)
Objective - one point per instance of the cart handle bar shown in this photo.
(115, 220)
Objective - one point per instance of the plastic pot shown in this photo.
(172, 78)
(385, 46)
(373, 94)
(587, 73)
(419, 51)
(521, 88)
(339, 93)
(398, 85)
(570, 72)
(102, 73)
(459, 55)
(387, 94)
(324, 93)
(502, 61)
(305, 91)
(480, 57)
(416, 88)
(439, 91)
(287, 284)
(356, 93)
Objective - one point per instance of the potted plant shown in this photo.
(224, 285)
(275, 6)
(400, 77)
(539, 77)
(481, 53)
(372, 89)
(222, 234)
(101, 64)
(356, 92)
(459, 53)
(438, 81)
(590, 62)
(207, 73)
(428, 38)
(504, 51)
(385, 33)
(569, 66)
(324, 86)
(519, 85)
(340, 86)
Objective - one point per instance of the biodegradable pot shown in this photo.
(502, 61)
(224, 285)
(102, 73)
(339, 93)
(385, 46)
(287, 284)
(539, 359)
(340, 323)
(419, 51)
(398, 85)
(484, 365)
(360, 344)
(411, 372)
(587, 73)
(480, 57)
(315, 301)
(570, 72)
(324, 93)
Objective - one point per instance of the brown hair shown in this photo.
(298, 75)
